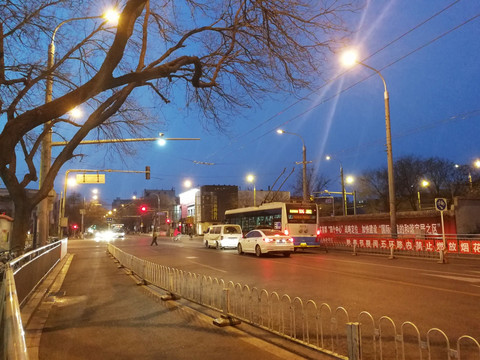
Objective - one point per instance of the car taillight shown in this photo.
(286, 232)
(290, 239)
(318, 232)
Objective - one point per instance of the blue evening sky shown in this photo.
(432, 75)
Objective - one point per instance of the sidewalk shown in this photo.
(94, 310)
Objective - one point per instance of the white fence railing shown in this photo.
(20, 278)
(318, 326)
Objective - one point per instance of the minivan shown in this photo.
(223, 236)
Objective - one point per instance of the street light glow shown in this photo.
(250, 178)
(350, 179)
(76, 113)
(477, 163)
(187, 183)
(112, 16)
(280, 131)
(349, 58)
(71, 182)
(425, 183)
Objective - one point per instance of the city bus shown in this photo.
(295, 219)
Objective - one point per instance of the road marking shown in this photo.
(459, 278)
(392, 266)
(192, 257)
(209, 267)
(398, 282)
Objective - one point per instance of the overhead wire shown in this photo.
(328, 82)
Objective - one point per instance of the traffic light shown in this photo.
(75, 226)
(147, 172)
(143, 208)
(168, 221)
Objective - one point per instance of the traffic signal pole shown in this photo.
(61, 214)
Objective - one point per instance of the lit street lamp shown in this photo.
(350, 59)
(342, 179)
(251, 179)
(46, 149)
(304, 163)
(476, 164)
(424, 184)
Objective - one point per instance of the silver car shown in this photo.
(263, 241)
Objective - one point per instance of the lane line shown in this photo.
(208, 267)
(397, 282)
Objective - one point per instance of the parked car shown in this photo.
(263, 241)
(222, 236)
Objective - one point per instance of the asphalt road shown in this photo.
(431, 295)
(94, 310)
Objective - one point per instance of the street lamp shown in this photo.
(350, 180)
(46, 149)
(349, 59)
(251, 179)
(342, 179)
(476, 164)
(304, 163)
(424, 184)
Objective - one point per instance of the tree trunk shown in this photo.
(21, 224)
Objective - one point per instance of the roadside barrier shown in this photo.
(427, 246)
(317, 326)
(20, 278)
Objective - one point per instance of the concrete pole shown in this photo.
(344, 195)
(391, 181)
(304, 162)
(46, 153)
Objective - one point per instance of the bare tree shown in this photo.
(374, 187)
(409, 171)
(444, 178)
(222, 54)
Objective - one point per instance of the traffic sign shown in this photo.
(440, 204)
(109, 220)
(90, 178)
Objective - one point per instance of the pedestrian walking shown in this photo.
(154, 238)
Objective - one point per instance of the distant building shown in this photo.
(206, 205)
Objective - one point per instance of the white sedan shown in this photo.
(263, 241)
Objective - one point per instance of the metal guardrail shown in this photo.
(318, 326)
(21, 277)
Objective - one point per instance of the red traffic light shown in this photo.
(143, 208)
(75, 226)
(168, 221)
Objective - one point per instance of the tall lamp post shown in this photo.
(46, 149)
(350, 59)
(424, 184)
(476, 164)
(251, 179)
(304, 163)
(342, 179)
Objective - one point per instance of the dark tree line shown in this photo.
(445, 179)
